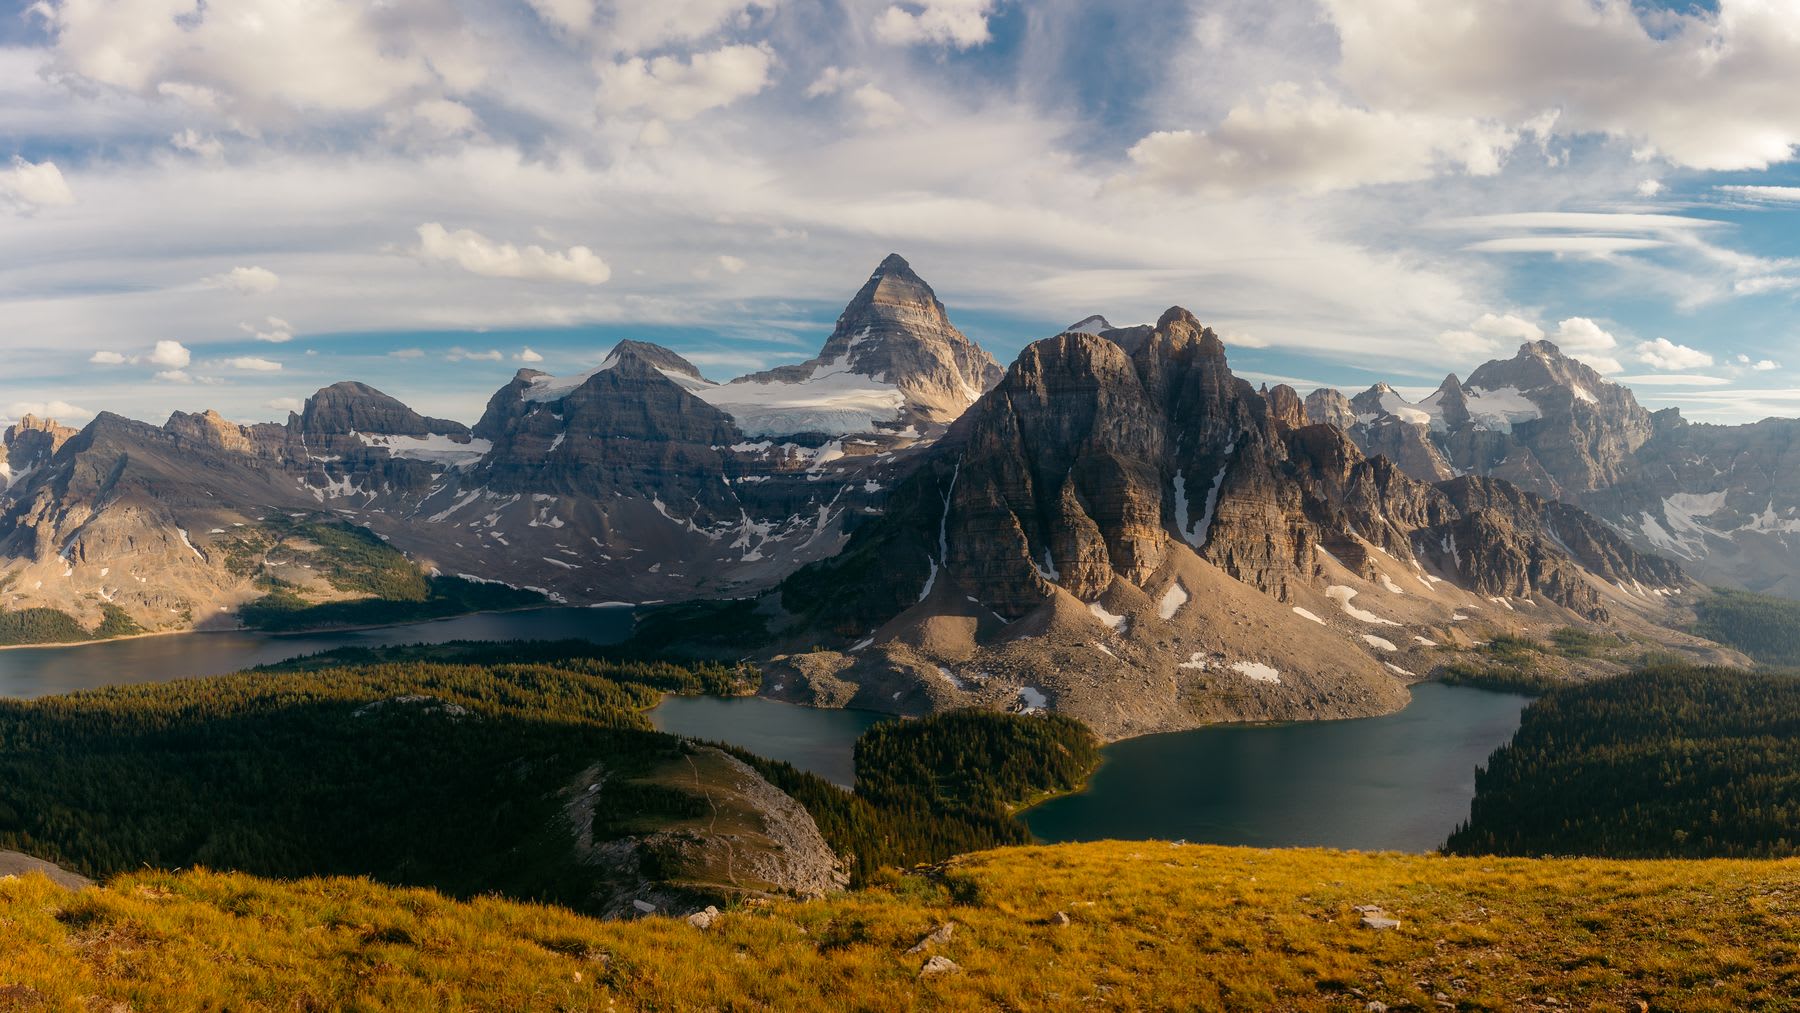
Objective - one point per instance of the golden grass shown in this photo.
(1153, 926)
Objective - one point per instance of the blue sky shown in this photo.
(230, 205)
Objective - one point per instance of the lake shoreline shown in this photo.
(310, 631)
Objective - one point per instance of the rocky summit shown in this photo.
(1720, 499)
(1116, 526)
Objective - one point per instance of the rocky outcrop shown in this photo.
(754, 841)
(27, 444)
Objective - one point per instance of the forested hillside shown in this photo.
(1763, 626)
(1666, 762)
(444, 766)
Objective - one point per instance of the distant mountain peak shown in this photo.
(897, 334)
(1095, 324)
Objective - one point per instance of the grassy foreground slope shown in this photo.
(1152, 926)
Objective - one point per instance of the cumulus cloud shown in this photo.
(1582, 338)
(731, 265)
(27, 186)
(246, 280)
(172, 354)
(528, 355)
(1758, 365)
(285, 404)
(960, 24)
(477, 254)
(1705, 89)
(273, 330)
(62, 411)
(1664, 354)
(264, 60)
(1315, 142)
(105, 358)
(674, 88)
(175, 376)
(1489, 333)
(874, 107)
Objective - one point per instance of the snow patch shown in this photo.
(1117, 623)
(436, 448)
(1032, 699)
(1256, 671)
(1172, 600)
(1343, 596)
(1379, 643)
(1308, 614)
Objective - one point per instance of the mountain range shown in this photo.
(1116, 526)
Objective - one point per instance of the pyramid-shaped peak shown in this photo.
(1095, 324)
(652, 355)
(1541, 348)
(894, 263)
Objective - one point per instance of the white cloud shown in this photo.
(1664, 354)
(285, 404)
(1705, 90)
(273, 330)
(477, 254)
(676, 89)
(62, 411)
(962, 24)
(875, 107)
(464, 355)
(1507, 327)
(104, 358)
(632, 26)
(1316, 143)
(407, 353)
(246, 280)
(432, 120)
(731, 265)
(259, 61)
(251, 364)
(1649, 187)
(1765, 365)
(527, 355)
(175, 376)
(1582, 338)
(1489, 333)
(571, 15)
(1769, 194)
(196, 143)
(1672, 380)
(28, 186)
(172, 354)
(1588, 246)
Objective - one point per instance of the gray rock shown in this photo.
(939, 937)
(937, 965)
(704, 919)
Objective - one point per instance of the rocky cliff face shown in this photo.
(1069, 520)
(1721, 499)
(26, 445)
